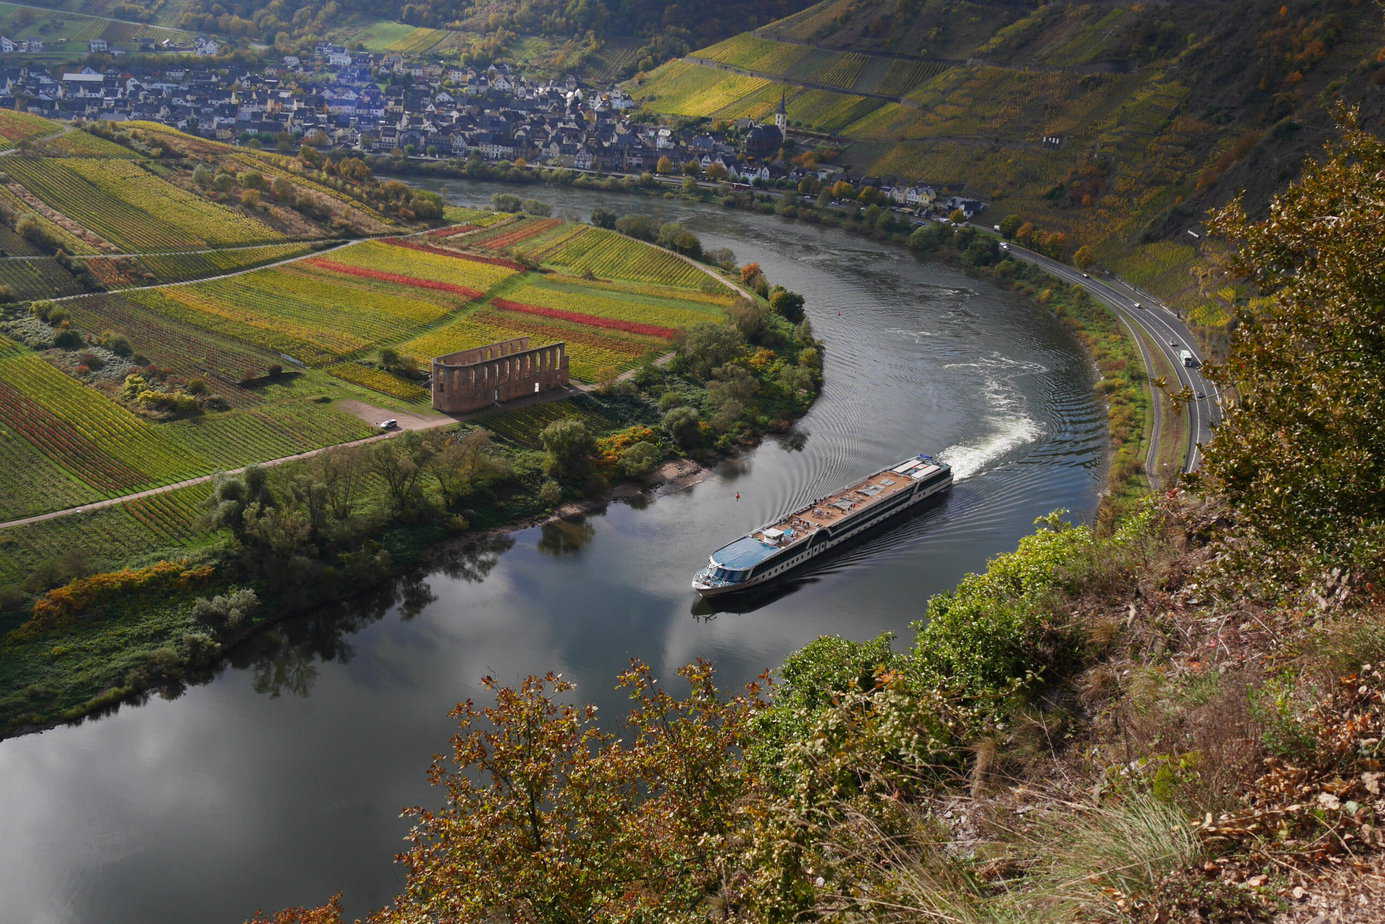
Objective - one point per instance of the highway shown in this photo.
(1165, 329)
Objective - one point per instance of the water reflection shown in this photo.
(565, 537)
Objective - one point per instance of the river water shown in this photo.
(280, 782)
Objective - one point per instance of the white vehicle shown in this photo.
(1004, 245)
(390, 424)
(1188, 359)
(1138, 305)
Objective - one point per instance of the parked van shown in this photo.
(1188, 359)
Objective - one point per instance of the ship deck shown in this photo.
(838, 506)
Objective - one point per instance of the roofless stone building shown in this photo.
(469, 380)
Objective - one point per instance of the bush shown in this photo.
(226, 611)
(535, 207)
(639, 459)
(505, 202)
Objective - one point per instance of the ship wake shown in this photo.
(1008, 422)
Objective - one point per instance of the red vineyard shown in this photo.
(591, 320)
(532, 229)
(398, 278)
(64, 444)
(452, 231)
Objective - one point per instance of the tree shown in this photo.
(535, 207)
(683, 426)
(1084, 257)
(505, 202)
(1301, 456)
(232, 495)
(639, 459)
(549, 818)
(716, 171)
(310, 156)
(570, 449)
(786, 304)
(639, 226)
(283, 190)
(603, 218)
(664, 166)
(703, 347)
(1010, 225)
(461, 464)
(399, 463)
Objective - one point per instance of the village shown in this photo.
(388, 104)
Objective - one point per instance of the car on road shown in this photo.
(1187, 358)
(1137, 304)
(1086, 275)
(1175, 344)
(390, 424)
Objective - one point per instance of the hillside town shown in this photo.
(387, 103)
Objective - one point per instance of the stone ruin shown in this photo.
(469, 380)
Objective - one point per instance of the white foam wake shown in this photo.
(1008, 421)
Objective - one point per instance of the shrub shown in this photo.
(226, 611)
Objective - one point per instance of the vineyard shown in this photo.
(17, 126)
(423, 261)
(39, 277)
(522, 427)
(129, 206)
(105, 537)
(187, 350)
(380, 380)
(121, 272)
(609, 255)
(312, 314)
(74, 444)
(687, 88)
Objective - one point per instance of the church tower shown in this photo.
(781, 117)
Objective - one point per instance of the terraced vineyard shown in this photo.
(323, 317)
(149, 269)
(39, 277)
(130, 207)
(104, 537)
(18, 126)
(609, 255)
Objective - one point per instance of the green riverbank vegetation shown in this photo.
(1174, 715)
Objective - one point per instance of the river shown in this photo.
(280, 782)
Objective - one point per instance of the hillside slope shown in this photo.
(1117, 123)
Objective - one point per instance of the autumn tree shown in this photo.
(1301, 456)
(664, 165)
(1084, 257)
(548, 817)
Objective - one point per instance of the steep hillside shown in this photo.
(1117, 123)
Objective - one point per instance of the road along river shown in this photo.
(280, 782)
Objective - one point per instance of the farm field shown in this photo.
(17, 126)
(70, 444)
(149, 269)
(681, 87)
(173, 520)
(38, 277)
(609, 255)
(280, 344)
(131, 207)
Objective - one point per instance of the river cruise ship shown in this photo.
(768, 552)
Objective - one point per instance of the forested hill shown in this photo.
(1117, 124)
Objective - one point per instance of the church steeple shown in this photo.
(781, 116)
